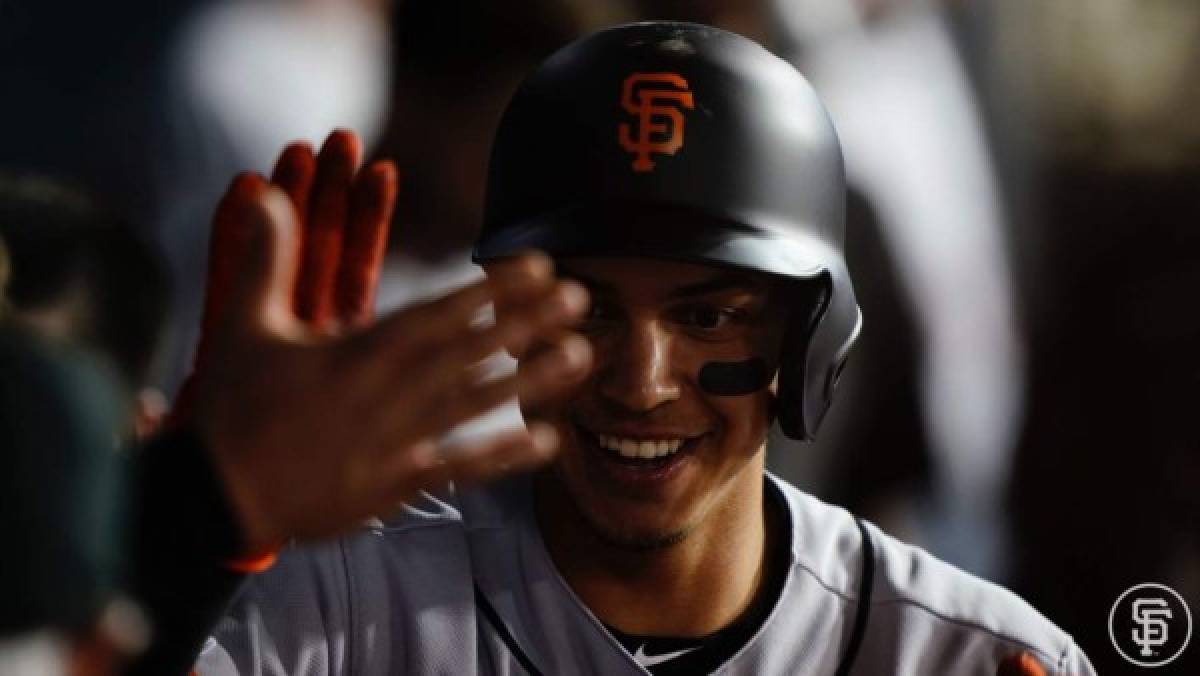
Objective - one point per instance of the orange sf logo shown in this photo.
(659, 126)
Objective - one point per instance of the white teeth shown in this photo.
(629, 448)
(634, 448)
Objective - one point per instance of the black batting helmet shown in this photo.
(682, 141)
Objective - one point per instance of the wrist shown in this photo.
(183, 506)
(244, 494)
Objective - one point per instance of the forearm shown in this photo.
(184, 531)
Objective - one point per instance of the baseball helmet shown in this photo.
(684, 142)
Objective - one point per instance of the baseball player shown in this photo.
(693, 183)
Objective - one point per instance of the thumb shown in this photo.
(268, 275)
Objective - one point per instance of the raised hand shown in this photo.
(315, 418)
(342, 217)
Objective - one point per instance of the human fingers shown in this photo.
(372, 199)
(507, 273)
(294, 172)
(543, 377)
(402, 333)
(321, 246)
(502, 456)
(229, 242)
(521, 283)
(498, 272)
(451, 402)
(451, 389)
(261, 297)
(433, 323)
(438, 344)
(549, 316)
(472, 463)
(446, 361)
(521, 276)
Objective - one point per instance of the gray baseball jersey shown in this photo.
(464, 585)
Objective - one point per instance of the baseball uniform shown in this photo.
(463, 584)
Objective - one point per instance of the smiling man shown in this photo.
(693, 183)
(654, 450)
(655, 513)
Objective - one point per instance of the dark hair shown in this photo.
(61, 245)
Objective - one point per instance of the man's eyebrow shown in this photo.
(724, 282)
(727, 282)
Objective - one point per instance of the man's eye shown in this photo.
(710, 318)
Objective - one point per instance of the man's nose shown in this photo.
(636, 373)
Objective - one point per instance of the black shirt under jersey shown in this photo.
(686, 656)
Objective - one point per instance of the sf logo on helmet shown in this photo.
(656, 99)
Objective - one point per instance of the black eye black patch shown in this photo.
(734, 378)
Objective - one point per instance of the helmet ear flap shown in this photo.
(816, 347)
(809, 301)
(840, 360)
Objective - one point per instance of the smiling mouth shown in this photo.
(645, 452)
(634, 449)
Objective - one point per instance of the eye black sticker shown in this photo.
(734, 378)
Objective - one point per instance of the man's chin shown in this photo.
(616, 521)
(637, 539)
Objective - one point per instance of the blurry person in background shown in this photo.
(63, 561)
(79, 275)
(82, 300)
(92, 108)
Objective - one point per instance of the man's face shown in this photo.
(649, 449)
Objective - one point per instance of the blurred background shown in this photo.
(1022, 231)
